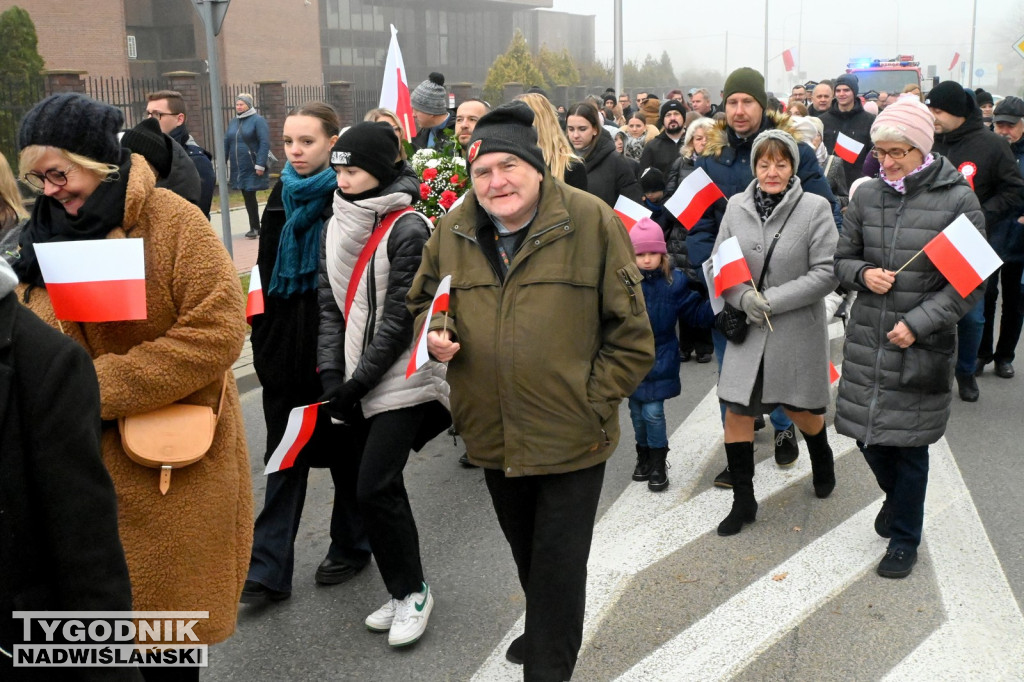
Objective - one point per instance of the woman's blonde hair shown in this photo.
(374, 115)
(9, 193)
(558, 153)
(31, 154)
(702, 123)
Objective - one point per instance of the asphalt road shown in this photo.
(793, 597)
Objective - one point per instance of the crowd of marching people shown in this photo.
(599, 247)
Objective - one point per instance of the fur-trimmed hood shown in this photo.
(718, 135)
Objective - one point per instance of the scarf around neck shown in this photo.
(298, 252)
(766, 203)
(251, 111)
(49, 222)
(899, 185)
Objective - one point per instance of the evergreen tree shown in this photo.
(557, 68)
(516, 65)
(21, 75)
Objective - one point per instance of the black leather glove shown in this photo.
(331, 380)
(344, 402)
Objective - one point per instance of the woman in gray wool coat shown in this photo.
(900, 349)
(785, 364)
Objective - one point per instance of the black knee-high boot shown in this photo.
(822, 466)
(744, 506)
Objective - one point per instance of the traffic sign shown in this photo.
(1018, 46)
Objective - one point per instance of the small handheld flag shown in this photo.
(420, 355)
(730, 267)
(789, 59)
(848, 149)
(254, 301)
(297, 432)
(98, 280)
(629, 211)
(695, 194)
(962, 255)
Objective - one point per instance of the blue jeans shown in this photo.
(649, 423)
(970, 328)
(902, 472)
(779, 419)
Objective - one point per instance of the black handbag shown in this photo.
(732, 321)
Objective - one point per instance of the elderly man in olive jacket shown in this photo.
(547, 332)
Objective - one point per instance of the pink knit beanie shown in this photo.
(647, 237)
(912, 119)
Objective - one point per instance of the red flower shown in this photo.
(454, 180)
(429, 174)
(433, 218)
(448, 198)
(424, 190)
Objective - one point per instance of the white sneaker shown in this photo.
(410, 619)
(381, 619)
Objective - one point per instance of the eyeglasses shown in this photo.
(55, 177)
(158, 115)
(894, 154)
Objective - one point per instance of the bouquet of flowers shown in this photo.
(443, 179)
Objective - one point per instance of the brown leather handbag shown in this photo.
(171, 437)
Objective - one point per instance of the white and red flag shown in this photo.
(956, 58)
(254, 301)
(962, 255)
(729, 265)
(98, 280)
(789, 58)
(420, 356)
(297, 432)
(629, 211)
(696, 193)
(833, 373)
(394, 93)
(847, 148)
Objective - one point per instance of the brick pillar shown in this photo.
(185, 82)
(273, 106)
(462, 92)
(340, 97)
(510, 91)
(63, 80)
(560, 96)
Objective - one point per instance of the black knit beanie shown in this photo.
(508, 128)
(850, 80)
(76, 124)
(671, 105)
(370, 146)
(983, 97)
(147, 139)
(652, 180)
(951, 97)
(748, 81)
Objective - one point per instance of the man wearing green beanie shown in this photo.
(726, 160)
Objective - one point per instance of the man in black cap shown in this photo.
(661, 151)
(536, 403)
(846, 116)
(985, 160)
(1007, 238)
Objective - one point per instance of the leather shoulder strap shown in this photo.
(775, 240)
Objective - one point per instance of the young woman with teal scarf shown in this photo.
(284, 344)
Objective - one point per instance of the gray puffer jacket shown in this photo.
(889, 396)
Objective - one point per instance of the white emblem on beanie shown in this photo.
(341, 158)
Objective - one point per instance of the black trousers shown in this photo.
(1011, 317)
(252, 208)
(548, 522)
(383, 501)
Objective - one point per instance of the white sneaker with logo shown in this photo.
(381, 619)
(410, 617)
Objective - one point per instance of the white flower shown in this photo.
(433, 163)
(460, 161)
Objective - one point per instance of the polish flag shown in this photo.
(833, 374)
(254, 302)
(99, 280)
(298, 431)
(848, 149)
(629, 211)
(789, 59)
(394, 93)
(696, 193)
(440, 305)
(956, 58)
(962, 255)
(729, 265)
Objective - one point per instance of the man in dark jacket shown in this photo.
(726, 160)
(847, 116)
(168, 107)
(539, 410)
(168, 159)
(987, 163)
(430, 109)
(1007, 238)
(664, 148)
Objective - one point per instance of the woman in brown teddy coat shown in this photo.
(187, 550)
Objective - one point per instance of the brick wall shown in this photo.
(84, 34)
(271, 39)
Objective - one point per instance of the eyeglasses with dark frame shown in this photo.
(58, 178)
(158, 115)
(894, 154)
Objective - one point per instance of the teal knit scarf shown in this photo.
(298, 252)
